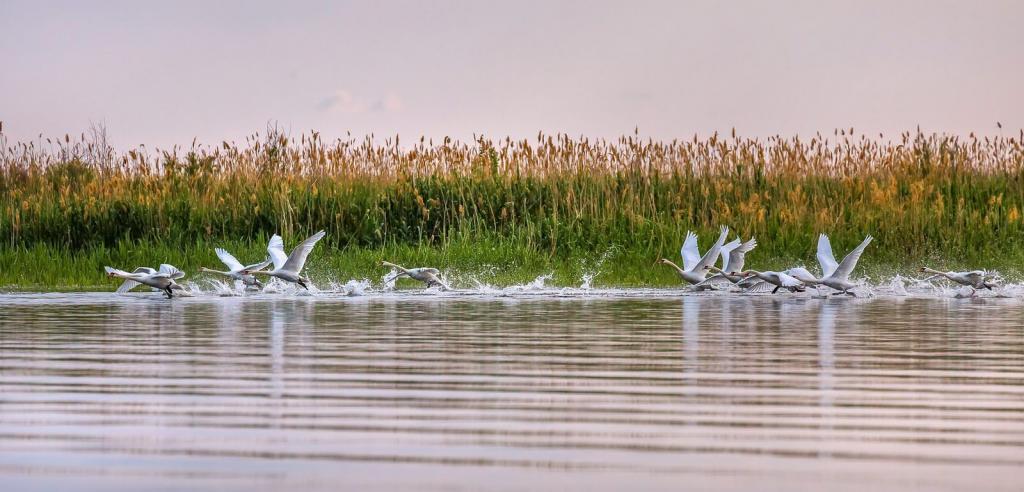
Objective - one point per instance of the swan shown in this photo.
(429, 276)
(733, 258)
(975, 279)
(235, 268)
(695, 267)
(289, 267)
(162, 279)
(833, 274)
(780, 280)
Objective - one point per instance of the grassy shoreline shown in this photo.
(507, 211)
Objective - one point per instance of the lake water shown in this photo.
(637, 390)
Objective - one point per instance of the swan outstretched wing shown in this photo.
(298, 257)
(276, 250)
(844, 269)
(737, 256)
(726, 250)
(127, 285)
(229, 259)
(759, 287)
(825, 257)
(801, 274)
(689, 251)
(788, 280)
(712, 253)
(171, 271)
(255, 267)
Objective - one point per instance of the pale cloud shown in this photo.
(343, 101)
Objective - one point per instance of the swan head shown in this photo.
(663, 261)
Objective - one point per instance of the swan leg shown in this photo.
(169, 292)
(303, 284)
(987, 286)
(776, 289)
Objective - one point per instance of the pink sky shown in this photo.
(163, 73)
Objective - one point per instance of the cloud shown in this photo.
(390, 104)
(343, 101)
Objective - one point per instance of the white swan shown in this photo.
(288, 268)
(162, 279)
(429, 276)
(833, 274)
(975, 279)
(695, 267)
(780, 280)
(235, 268)
(733, 258)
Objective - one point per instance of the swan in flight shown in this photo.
(833, 274)
(288, 267)
(235, 268)
(780, 280)
(429, 276)
(733, 257)
(163, 279)
(975, 279)
(695, 267)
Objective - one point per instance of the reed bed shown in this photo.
(947, 199)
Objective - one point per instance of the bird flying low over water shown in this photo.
(833, 274)
(288, 267)
(695, 266)
(429, 276)
(976, 279)
(163, 279)
(235, 268)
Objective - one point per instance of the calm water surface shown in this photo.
(105, 392)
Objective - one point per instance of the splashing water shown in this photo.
(357, 287)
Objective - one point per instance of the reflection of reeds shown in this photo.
(556, 195)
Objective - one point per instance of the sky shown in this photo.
(165, 73)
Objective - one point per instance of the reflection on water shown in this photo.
(101, 392)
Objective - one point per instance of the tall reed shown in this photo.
(919, 195)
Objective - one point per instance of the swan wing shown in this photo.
(276, 250)
(689, 251)
(144, 270)
(127, 285)
(737, 256)
(825, 257)
(760, 287)
(787, 280)
(845, 268)
(726, 251)
(229, 259)
(298, 257)
(171, 271)
(801, 274)
(712, 253)
(255, 267)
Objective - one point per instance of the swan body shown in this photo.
(235, 268)
(288, 267)
(780, 280)
(429, 276)
(695, 266)
(162, 279)
(975, 278)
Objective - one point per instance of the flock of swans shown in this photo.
(695, 270)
